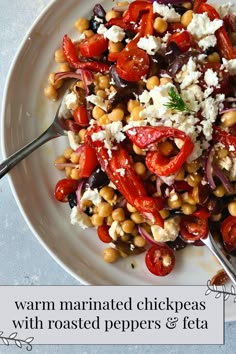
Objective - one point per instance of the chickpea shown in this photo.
(160, 25)
(186, 18)
(112, 14)
(82, 134)
(116, 115)
(135, 114)
(195, 194)
(96, 220)
(222, 153)
(232, 208)
(107, 193)
(137, 218)
(51, 80)
(82, 24)
(75, 173)
(214, 57)
(88, 33)
(64, 68)
(219, 191)
(60, 160)
(50, 92)
(193, 166)
(152, 82)
(103, 119)
(180, 175)
(104, 209)
(174, 201)
(110, 255)
(187, 5)
(140, 168)
(132, 104)
(67, 153)
(75, 157)
(130, 208)
(228, 119)
(68, 171)
(118, 214)
(137, 150)
(166, 148)
(128, 226)
(101, 93)
(139, 241)
(193, 179)
(103, 82)
(188, 209)
(125, 238)
(122, 3)
(97, 112)
(59, 56)
(164, 213)
(115, 47)
(187, 198)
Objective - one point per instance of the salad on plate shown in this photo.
(151, 123)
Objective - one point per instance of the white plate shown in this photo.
(27, 113)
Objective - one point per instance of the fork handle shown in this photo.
(228, 267)
(19, 155)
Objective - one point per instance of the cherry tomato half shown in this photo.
(93, 46)
(132, 64)
(88, 161)
(160, 260)
(80, 115)
(63, 188)
(193, 228)
(184, 40)
(103, 233)
(228, 231)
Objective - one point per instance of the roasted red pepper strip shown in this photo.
(223, 42)
(221, 136)
(161, 165)
(71, 56)
(135, 9)
(197, 3)
(127, 26)
(127, 182)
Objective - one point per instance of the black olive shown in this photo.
(99, 11)
(177, 244)
(179, 9)
(98, 179)
(72, 200)
(93, 24)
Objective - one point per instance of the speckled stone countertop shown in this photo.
(23, 261)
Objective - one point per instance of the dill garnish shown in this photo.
(176, 102)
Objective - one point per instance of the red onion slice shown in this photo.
(87, 78)
(232, 109)
(120, 8)
(79, 193)
(220, 174)
(148, 237)
(79, 149)
(67, 75)
(209, 169)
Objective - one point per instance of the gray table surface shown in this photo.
(23, 261)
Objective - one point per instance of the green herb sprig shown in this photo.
(176, 102)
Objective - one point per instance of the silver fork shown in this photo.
(214, 248)
(56, 129)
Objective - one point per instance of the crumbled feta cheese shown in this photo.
(189, 74)
(211, 78)
(225, 163)
(81, 219)
(92, 195)
(202, 26)
(150, 44)
(232, 175)
(207, 42)
(112, 132)
(168, 13)
(98, 101)
(71, 101)
(229, 65)
(170, 231)
(73, 140)
(121, 171)
(197, 152)
(115, 230)
(114, 33)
